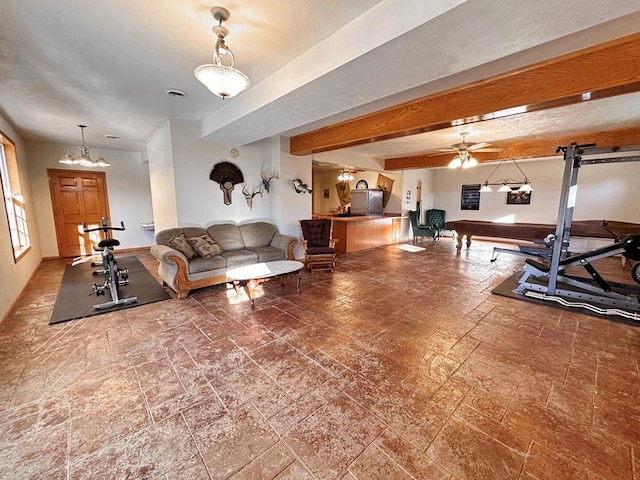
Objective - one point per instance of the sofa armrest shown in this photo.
(167, 254)
(173, 268)
(286, 243)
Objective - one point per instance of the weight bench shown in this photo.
(599, 291)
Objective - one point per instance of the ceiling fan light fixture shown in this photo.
(463, 158)
(456, 162)
(470, 162)
(222, 80)
(345, 176)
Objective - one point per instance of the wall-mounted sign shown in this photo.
(470, 199)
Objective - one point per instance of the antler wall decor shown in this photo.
(248, 195)
(227, 175)
(266, 179)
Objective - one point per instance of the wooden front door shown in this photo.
(77, 197)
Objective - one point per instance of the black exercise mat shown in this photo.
(74, 300)
(507, 287)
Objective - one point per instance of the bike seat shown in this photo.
(108, 243)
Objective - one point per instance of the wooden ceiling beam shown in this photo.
(604, 70)
(523, 150)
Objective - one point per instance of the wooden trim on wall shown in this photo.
(604, 70)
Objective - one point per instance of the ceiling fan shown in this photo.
(463, 158)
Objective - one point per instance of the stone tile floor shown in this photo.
(400, 365)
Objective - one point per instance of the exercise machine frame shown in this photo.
(114, 276)
(549, 282)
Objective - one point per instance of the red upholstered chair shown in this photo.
(318, 244)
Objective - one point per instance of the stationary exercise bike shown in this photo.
(114, 276)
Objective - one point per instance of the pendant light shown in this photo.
(222, 80)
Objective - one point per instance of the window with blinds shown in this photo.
(13, 198)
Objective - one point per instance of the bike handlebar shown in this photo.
(103, 226)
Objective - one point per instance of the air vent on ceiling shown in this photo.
(174, 92)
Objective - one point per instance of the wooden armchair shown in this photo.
(420, 230)
(318, 244)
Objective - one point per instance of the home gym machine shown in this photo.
(549, 282)
(114, 277)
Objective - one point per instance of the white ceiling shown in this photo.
(311, 63)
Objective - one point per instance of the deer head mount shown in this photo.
(248, 195)
(266, 179)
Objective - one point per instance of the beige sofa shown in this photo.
(238, 245)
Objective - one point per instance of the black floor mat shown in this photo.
(74, 300)
(507, 287)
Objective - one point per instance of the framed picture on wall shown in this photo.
(326, 193)
(470, 198)
(518, 198)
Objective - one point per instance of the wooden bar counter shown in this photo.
(359, 232)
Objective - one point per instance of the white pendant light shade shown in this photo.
(504, 188)
(101, 162)
(68, 159)
(486, 188)
(526, 187)
(221, 80)
(84, 158)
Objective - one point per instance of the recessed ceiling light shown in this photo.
(175, 92)
(112, 137)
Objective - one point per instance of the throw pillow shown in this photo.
(181, 243)
(205, 246)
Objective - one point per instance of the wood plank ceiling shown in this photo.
(602, 71)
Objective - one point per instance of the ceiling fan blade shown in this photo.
(476, 146)
(447, 150)
(494, 149)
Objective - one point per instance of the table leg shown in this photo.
(459, 241)
(468, 240)
(236, 287)
(298, 279)
(298, 282)
(251, 290)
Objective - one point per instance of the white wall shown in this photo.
(161, 178)
(607, 191)
(14, 276)
(289, 206)
(127, 186)
(410, 181)
(199, 200)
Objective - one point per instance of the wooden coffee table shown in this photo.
(253, 275)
